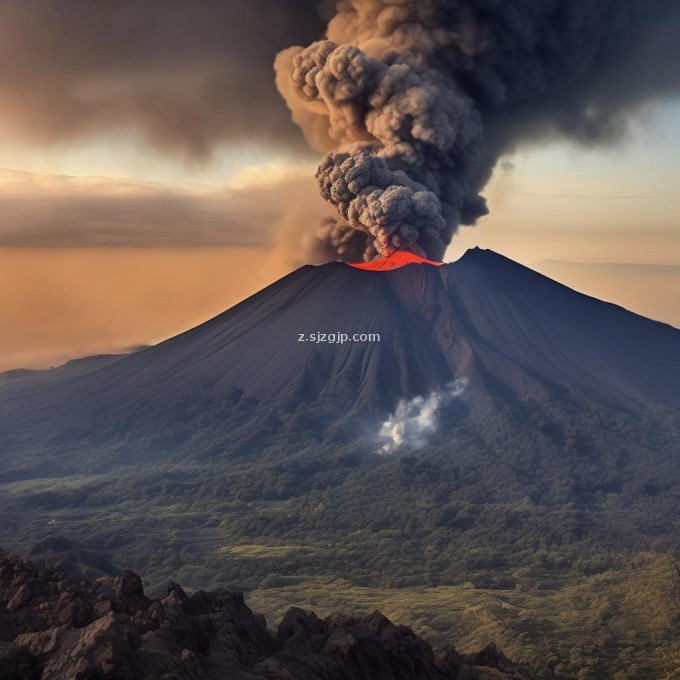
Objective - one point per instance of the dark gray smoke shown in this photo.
(183, 76)
(416, 100)
(334, 241)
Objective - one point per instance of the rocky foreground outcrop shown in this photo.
(56, 628)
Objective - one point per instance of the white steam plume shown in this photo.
(415, 420)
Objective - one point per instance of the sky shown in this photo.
(148, 181)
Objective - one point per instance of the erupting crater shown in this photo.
(398, 259)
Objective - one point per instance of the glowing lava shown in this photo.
(400, 258)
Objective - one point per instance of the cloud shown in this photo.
(184, 75)
(38, 211)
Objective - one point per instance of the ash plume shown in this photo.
(415, 101)
(183, 77)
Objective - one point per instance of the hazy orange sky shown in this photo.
(66, 300)
(136, 202)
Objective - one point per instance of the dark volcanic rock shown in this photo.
(53, 628)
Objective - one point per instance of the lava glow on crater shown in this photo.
(400, 258)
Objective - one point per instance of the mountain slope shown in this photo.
(508, 330)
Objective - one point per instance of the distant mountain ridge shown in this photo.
(631, 266)
(647, 289)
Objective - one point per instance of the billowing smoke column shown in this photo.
(409, 142)
(415, 100)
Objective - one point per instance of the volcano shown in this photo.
(249, 452)
(514, 335)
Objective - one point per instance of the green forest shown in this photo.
(524, 527)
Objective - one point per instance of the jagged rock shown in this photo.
(20, 598)
(53, 628)
(128, 584)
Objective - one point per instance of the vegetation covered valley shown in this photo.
(572, 572)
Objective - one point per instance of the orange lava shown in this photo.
(398, 259)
